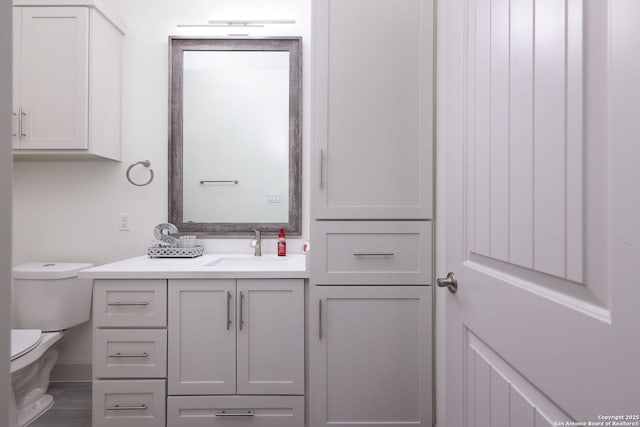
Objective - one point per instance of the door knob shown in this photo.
(450, 282)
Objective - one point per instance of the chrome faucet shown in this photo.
(257, 243)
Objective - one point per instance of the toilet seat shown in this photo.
(23, 341)
(47, 339)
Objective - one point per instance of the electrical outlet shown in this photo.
(273, 197)
(124, 222)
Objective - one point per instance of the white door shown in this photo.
(270, 336)
(201, 337)
(540, 108)
(370, 356)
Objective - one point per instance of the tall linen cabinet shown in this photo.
(370, 302)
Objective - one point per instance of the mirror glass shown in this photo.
(235, 137)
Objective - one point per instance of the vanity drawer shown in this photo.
(130, 303)
(128, 403)
(130, 353)
(239, 411)
(372, 252)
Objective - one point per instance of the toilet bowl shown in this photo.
(49, 298)
(33, 355)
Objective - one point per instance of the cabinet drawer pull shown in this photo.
(373, 254)
(124, 355)
(234, 414)
(131, 303)
(127, 408)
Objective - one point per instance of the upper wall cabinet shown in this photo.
(372, 109)
(67, 90)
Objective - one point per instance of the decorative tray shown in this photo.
(173, 252)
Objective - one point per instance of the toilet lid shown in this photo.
(23, 341)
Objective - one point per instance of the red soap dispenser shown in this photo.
(282, 244)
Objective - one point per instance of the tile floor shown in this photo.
(71, 408)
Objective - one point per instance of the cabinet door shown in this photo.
(15, 105)
(370, 355)
(373, 109)
(270, 336)
(54, 69)
(201, 337)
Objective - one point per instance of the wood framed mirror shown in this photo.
(235, 135)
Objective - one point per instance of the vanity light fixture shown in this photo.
(239, 23)
(249, 22)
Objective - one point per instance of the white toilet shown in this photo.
(48, 299)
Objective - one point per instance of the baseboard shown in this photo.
(71, 372)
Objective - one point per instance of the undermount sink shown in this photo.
(248, 261)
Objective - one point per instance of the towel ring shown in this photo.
(146, 164)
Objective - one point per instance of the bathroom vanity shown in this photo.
(205, 341)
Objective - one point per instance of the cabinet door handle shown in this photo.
(319, 319)
(241, 303)
(21, 124)
(125, 355)
(234, 414)
(127, 408)
(321, 169)
(228, 310)
(128, 303)
(13, 123)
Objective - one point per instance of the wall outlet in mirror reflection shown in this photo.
(273, 197)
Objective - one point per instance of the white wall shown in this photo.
(68, 211)
(5, 206)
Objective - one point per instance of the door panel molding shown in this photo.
(496, 394)
(532, 175)
(572, 295)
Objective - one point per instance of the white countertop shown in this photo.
(223, 266)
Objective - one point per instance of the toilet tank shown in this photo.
(49, 295)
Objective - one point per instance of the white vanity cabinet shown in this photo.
(228, 338)
(190, 352)
(372, 101)
(67, 81)
(370, 356)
